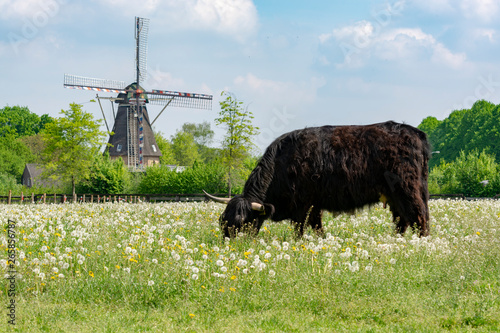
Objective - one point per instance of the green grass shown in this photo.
(165, 268)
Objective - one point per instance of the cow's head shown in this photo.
(242, 215)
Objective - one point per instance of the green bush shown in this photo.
(106, 177)
(160, 179)
(467, 175)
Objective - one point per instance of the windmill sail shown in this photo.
(141, 33)
(87, 83)
(180, 99)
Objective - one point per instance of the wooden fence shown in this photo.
(99, 198)
(135, 198)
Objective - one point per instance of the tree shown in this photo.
(467, 129)
(202, 133)
(35, 144)
(71, 143)
(184, 148)
(166, 149)
(14, 155)
(8, 183)
(20, 121)
(237, 142)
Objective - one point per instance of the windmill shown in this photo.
(133, 139)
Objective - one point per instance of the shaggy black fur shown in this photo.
(338, 169)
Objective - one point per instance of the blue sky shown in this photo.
(293, 63)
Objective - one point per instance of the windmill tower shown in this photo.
(133, 139)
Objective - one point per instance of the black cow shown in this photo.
(338, 169)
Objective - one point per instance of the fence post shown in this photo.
(55, 198)
(9, 201)
(83, 198)
(32, 197)
(44, 196)
(91, 198)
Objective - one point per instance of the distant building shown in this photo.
(32, 175)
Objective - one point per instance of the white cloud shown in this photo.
(442, 55)
(159, 79)
(363, 41)
(359, 31)
(236, 18)
(481, 9)
(489, 34)
(33, 10)
(232, 17)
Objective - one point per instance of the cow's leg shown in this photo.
(314, 221)
(299, 221)
(409, 208)
(299, 228)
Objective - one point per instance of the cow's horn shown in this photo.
(217, 199)
(255, 206)
(258, 206)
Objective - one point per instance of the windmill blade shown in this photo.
(87, 83)
(141, 35)
(180, 99)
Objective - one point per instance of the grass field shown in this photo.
(164, 268)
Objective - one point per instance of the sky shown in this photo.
(293, 64)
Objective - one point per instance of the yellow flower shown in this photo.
(191, 315)
(91, 273)
(117, 266)
(233, 277)
(232, 289)
(478, 233)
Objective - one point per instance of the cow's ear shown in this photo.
(268, 210)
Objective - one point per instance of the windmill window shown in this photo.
(119, 148)
(154, 148)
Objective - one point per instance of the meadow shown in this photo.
(120, 267)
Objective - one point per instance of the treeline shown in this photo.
(465, 147)
(69, 148)
(474, 129)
